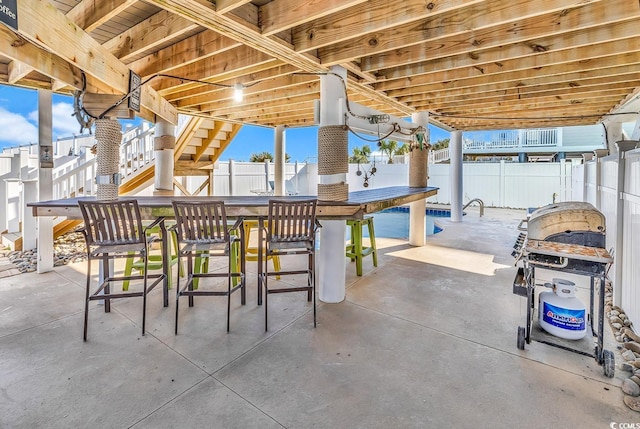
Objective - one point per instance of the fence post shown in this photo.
(599, 154)
(266, 175)
(501, 197)
(563, 180)
(232, 176)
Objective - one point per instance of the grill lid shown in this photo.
(564, 217)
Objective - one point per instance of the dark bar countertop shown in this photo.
(359, 203)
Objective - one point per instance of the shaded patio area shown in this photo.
(426, 339)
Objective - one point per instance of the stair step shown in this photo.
(12, 240)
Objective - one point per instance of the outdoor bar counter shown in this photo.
(357, 206)
(359, 203)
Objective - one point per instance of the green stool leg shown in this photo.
(128, 267)
(357, 241)
(372, 239)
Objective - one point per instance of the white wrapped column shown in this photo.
(109, 137)
(455, 175)
(280, 155)
(418, 172)
(164, 144)
(331, 265)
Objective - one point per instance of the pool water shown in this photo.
(394, 222)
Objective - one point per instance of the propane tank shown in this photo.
(560, 312)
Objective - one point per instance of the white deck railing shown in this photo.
(511, 139)
(76, 177)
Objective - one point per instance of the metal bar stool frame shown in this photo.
(113, 230)
(290, 230)
(203, 232)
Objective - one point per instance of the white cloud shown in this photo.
(16, 129)
(64, 123)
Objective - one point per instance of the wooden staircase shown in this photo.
(198, 147)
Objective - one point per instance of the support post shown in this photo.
(418, 177)
(455, 175)
(164, 144)
(331, 264)
(279, 152)
(45, 182)
(613, 135)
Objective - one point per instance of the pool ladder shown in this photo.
(476, 200)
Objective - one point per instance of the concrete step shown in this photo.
(7, 268)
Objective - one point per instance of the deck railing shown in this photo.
(76, 178)
(511, 139)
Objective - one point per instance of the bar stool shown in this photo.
(251, 252)
(155, 260)
(354, 249)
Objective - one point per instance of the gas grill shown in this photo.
(568, 237)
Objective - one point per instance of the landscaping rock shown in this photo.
(629, 333)
(633, 346)
(630, 387)
(632, 402)
(628, 355)
(616, 319)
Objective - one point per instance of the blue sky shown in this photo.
(19, 125)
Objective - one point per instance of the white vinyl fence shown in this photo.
(507, 184)
(612, 184)
(502, 184)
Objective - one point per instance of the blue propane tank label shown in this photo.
(564, 318)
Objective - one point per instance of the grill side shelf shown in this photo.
(570, 251)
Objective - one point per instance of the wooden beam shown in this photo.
(68, 41)
(489, 92)
(154, 31)
(287, 86)
(256, 75)
(17, 71)
(208, 68)
(91, 14)
(537, 66)
(487, 34)
(279, 15)
(224, 6)
(205, 15)
(381, 14)
(622, 33)
(187, 51)
(18, 49)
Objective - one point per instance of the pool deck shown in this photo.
(425, 340)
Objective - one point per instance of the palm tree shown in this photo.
(402, 150)
(260, 157)
(360, 155)
(440, 144)
(388, 147)
(263, 156)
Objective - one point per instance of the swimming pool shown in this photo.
(394, 222)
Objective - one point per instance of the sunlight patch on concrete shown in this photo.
(463, 260)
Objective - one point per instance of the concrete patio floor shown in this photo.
(425, 340)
